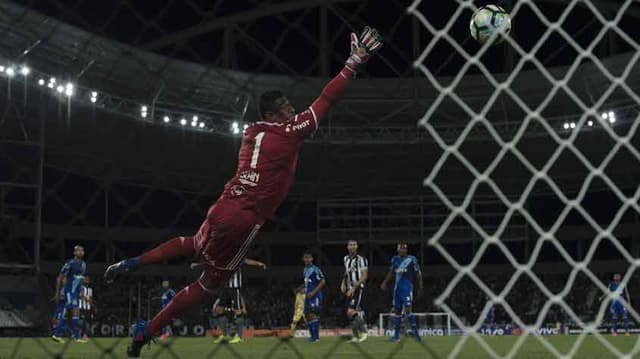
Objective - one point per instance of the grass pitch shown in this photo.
(375, 347)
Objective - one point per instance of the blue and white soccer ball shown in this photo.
(490, 20)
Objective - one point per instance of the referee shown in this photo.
(352, 286)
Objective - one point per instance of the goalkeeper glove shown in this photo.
(363, 47)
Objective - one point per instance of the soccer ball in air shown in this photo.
(489, 20)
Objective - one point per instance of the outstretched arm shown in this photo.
(362, 48)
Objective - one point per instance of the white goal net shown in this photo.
(545, 124)
(429, 324)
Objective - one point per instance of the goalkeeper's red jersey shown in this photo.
(269, 152)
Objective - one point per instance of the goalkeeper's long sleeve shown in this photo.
(331, 92)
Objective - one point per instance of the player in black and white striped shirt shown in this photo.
(230, 303)
(352, 286)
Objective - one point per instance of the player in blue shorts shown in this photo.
(406, 269)
(313, 283)
(72, 274)
(619, 302)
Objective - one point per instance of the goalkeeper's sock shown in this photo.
(293, 328)
(189, 297)
(173, 248)
(614, 324)
(397, 321)
(414, 325)
(625, 322)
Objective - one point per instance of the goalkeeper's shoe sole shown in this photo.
(116, 269)
(363, 338)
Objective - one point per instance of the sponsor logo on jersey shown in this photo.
(250, 178)
(237, 190)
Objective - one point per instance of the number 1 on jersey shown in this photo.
(256, 150)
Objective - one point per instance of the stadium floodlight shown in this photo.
(194, 124)
(94, 93)
(565, 126)
(144, 115)
(69, 86)
(41, 82)
(604, 115)
(612, 117)
(93, 100)
(10, 71)
(234, 125)
(60, 88)
(50, 85)
(589, 123)
(52, 80)
(201, 125)
(183, 121)
(236, 131)
(245, 126)
(166, 119)
(143, 109)
(195, 119)
(572, 125)
(2, 68)
(68, 91)
(25, 70)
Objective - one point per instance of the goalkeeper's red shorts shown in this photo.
(224, 238)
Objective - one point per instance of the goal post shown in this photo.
(429, 324)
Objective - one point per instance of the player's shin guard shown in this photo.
(414, 325)
(75, 326)
(239, 325)
(189, 297)
(397, 321)
(355, 326)
(61, 328)
(314, 328)
(173, 248)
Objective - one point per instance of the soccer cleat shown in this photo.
(363, 337)
(313, 340)
(164, 336)
(58, 339)
(123, 266)
(81, 340)
(85, 337)
(140, 338)
(220, 339)
(394, 340)
(627, 334)
(235, 340)
(615, 334)
(354, 340)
